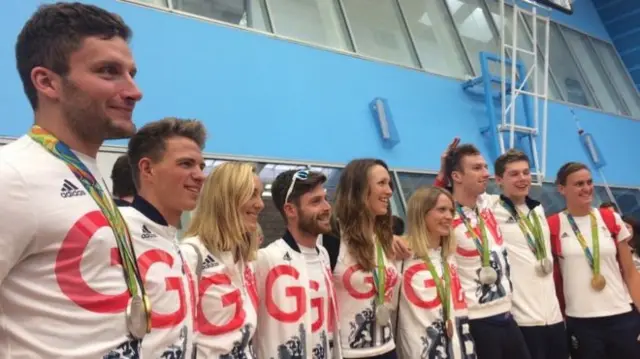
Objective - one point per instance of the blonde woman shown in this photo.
(365, 274)
(433, 320)
(221, 243)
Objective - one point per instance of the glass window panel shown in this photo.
(524, 42)
(571, 83)
(160, 3)
(433, 33)
(230, 11)
(315, 21)
(596, 75)
(378, 31)
(475, 30)
(548, 195)
(618, 75)
(397, 207)
(410, 182)
(492, 187)
(628, 199)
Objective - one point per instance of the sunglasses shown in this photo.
(301, 175)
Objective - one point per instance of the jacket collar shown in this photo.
(148, 210)
(291, 242)
(530, 202)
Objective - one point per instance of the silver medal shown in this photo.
(383, 316)
(488, 275)
(545, 266)
(136, 317)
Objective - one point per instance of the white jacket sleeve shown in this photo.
(18, 218)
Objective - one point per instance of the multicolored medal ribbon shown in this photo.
(383, 314)
(443, 286)
(139, 307)
(487, 274)
(533, 234)
(598, 282)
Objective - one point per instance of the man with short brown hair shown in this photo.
(122, 182)
(167, 163)
(70, 286)
(483, 261)
(300, 196)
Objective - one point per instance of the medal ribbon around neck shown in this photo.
(120, 231)
(594, 260)
(380, 275)
(443, 285)
(482, 242)
(532, 231)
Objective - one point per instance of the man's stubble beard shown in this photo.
(87, 119)
(308, 224)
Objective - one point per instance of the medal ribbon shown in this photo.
(109, 209)
(532, 231)
(482, 242)
(594, 260)
(444, 289)
(380, 275)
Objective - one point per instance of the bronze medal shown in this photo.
(449, 328)
(598, 282)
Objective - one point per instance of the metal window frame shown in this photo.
(627, 75)
(492, 27)
(459, 49)
(404, 28)
(408, 33)
(598, 61)
(617, 56)
(579, 67)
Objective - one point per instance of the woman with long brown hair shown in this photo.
(433, 319)
(221, 243)
(365, 274)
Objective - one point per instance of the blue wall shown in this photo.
(622, 20)
(585, 18)
(266, 97)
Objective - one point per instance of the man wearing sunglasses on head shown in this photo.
(297, 307)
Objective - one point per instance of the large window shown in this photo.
(572, 85)
(606, 94)
(433, 33)
(476, 30)
(314, 21)
(248, 13)
(378, 30)
(440, 36)
(618, 75)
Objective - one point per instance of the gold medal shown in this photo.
(598, 282)
(449, 328)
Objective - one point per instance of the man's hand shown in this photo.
(443, 159)
(401, 248)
